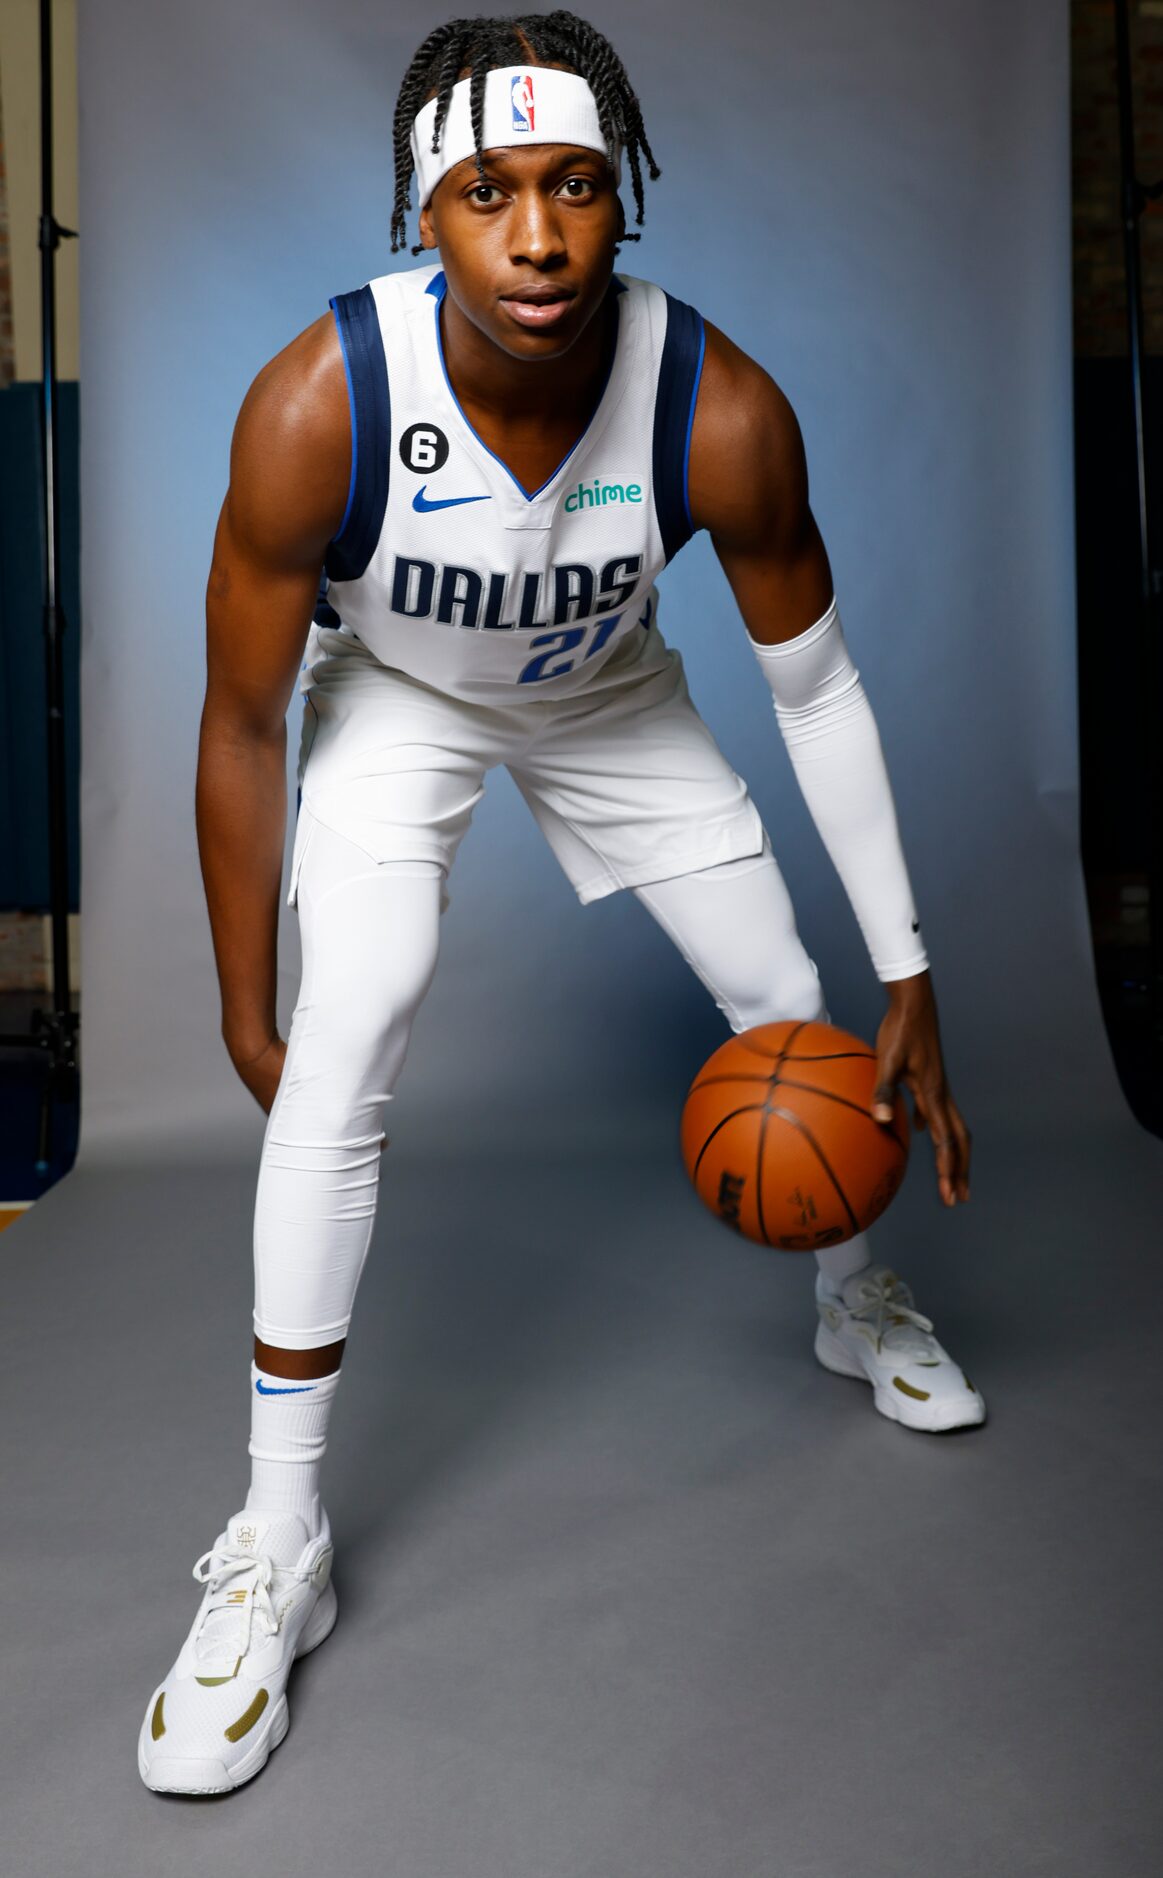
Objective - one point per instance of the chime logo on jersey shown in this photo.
(511, 602)
(522, 95)
(596, 495)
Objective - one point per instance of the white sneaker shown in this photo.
(872, 1330)
(212, 1723)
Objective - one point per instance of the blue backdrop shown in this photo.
(872, 201)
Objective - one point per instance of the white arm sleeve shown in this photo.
(827, 724)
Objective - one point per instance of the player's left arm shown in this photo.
(748, 486)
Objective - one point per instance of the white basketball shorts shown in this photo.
(626, 783)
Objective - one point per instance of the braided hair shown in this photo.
(480, 45)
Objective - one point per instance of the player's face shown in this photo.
(529, 249)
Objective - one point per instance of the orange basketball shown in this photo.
(779, 1139)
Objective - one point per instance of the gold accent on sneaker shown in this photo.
(898, 1382)
(211, 1682)
(247, 1720)
(157, 1726)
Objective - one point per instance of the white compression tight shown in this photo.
(369, 936)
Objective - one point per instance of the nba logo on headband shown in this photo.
(565, 111)
(521, 92)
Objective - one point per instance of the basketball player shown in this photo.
(492, 456)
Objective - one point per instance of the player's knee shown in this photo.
(351, 1037)
(365, 990)
(365, 1034)
(794, 994)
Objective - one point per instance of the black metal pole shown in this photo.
(1134, 197)
(54, 622)
(53, 1031)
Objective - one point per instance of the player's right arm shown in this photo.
(290, 465)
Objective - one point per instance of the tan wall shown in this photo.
(20, 108)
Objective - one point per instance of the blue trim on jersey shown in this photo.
(679, 373)
(324, 614)
(354, 425)
(438, 286)
(690, 424)
(361, 342)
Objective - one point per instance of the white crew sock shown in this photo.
(288, 1436)
(838, 1262)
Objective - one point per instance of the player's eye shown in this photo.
(481, 192)
(578, 187)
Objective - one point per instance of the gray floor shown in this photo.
(628, 1584)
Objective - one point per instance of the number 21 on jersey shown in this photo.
(567, 640)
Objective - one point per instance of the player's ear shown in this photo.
(427, 232)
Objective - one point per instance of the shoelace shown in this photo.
(225, 1567)
(886, 1294)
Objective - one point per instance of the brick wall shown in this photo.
(1100, 307)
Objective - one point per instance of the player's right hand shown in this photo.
(261, 1073)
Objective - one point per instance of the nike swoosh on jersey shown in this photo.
(303, 1389)
(423, 506)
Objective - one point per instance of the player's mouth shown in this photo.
(538, 304)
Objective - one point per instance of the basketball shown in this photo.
(779, 1139)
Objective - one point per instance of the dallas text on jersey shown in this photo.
(463, 596)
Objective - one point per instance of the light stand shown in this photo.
(52, 1031)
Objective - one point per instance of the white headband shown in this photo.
(523, 104)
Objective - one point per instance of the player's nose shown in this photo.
(535, 229)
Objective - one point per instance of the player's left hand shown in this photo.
(908, 1050)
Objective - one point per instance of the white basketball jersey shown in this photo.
(444, 566)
